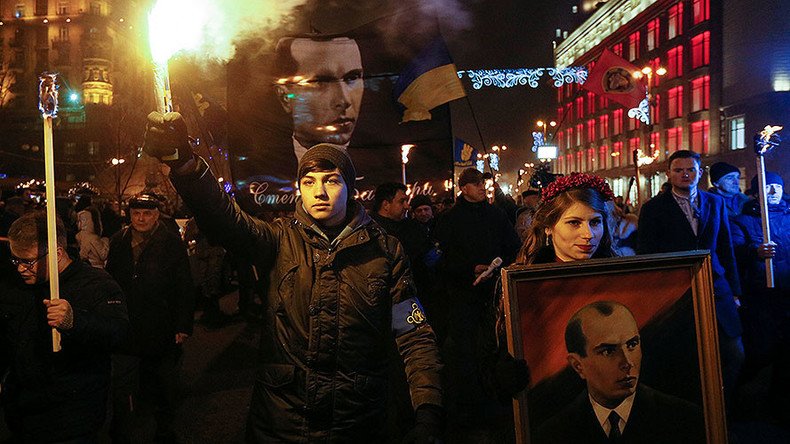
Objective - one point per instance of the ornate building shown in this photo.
(97, 47)
(724, 82)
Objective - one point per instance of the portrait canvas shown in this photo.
(636, 335)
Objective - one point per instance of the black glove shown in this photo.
(166, 139)
(511, 376)
(428, 425)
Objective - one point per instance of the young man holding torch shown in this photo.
(341, 292)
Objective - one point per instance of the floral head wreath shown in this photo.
(577, 180)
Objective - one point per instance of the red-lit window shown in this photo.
(559, 94)
(560, 140)
(655, 108)
(569, 140)
(633, 145)
(580, 107)
(618, 121)
(580, 161)
(655, 143)
(633, 46)
(632, 123)
(591, 159)
(617, 154)
(591, 130)
(701, 10)
(603, 102)
(569, 163)
(579, 131)
(560, 164)
(590, 103)
(559, 114)
(603, 123)
(675, 102)
(675, 21)
(699, 136)
(653, 28)
(675, 62)
(618, 49)
(700, 93)
(603, 157)
(674, 139)
(700, 50)
(655, 64)
(569, 111)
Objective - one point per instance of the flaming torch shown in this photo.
(765, 141)
(48, 104)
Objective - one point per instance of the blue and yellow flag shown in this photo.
(430, 80)
(464, 155)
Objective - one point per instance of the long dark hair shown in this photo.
(549, 213)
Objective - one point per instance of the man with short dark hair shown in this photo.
(150, 263)
(341, 294)
(605, 350)
(726, 180)
(47, 396)
(687, 218)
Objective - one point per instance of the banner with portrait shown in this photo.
(300, 87)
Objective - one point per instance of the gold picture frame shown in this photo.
(671, 298)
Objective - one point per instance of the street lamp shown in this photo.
(648, 72)
(404, 157)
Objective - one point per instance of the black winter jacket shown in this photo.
(59, 396)
(158, 288)
(747, 235)
(332, 312)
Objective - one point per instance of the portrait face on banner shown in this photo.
(301, 88)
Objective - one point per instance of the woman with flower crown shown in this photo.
(572, 222)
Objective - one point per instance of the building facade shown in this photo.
(96, 47)
(724, 82)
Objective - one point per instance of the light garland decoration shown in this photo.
(642, 112)
(509, 78)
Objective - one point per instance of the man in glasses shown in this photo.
(48, 396)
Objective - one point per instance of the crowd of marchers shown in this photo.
(370, 314)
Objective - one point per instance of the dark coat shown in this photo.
(663, 228)
(59, 396)
(332, 313)
(656, 418)
(158, 289)
(747, 235)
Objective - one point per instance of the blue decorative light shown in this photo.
(508, 78)
(481, 165)
(538, 140)
(493, 160)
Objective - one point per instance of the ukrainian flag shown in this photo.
(430, 80)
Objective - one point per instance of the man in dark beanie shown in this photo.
(341, 294)
(726, 181)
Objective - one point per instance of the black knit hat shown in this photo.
(420, 200)
(770, 177)
(721, 169)
(469, 175)
(335, 154)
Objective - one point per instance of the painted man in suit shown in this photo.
(605, 349)
(687, 218)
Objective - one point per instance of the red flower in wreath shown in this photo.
(577, 180)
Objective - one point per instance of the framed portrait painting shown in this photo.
(621, 347)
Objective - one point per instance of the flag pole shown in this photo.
(48, 104)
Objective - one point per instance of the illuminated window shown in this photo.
(63, 7)
(617, 154)
(655, 108)
(580, 107)
(675, 102)
(603, 157)
(701, 9)
(700, 50)
(675, 62)
(700, 93)
(632, 123)
(618, 121)
(699, 136)
(569, 140)
(19, 10)
(655, 64)
(655, 143)
(591, 159)
(603, 123)
(737, 127)
(569, 110)
(675, 21)
(579, 161)
(674, 139)
(590, 103)
(618, 49)
(569, 163)
(93, 148)
(559, 114)
(653, 28)
(633, 46)
(560, 140)
(604, 102)
(591, 130)
(579, 131)
(633, 145)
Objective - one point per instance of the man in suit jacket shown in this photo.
(687, 218)
(604, 348)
